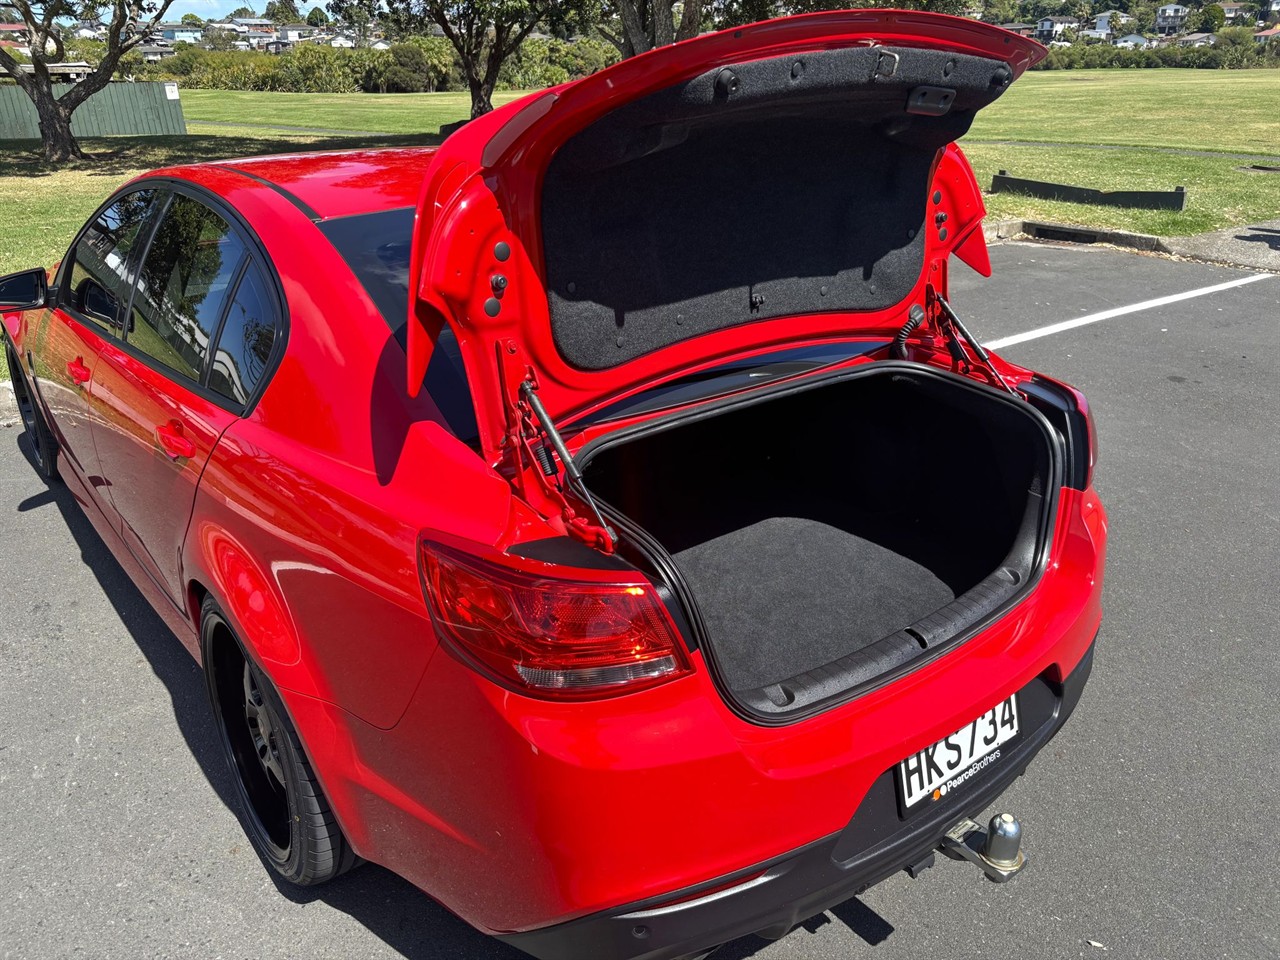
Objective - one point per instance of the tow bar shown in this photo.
(996, 851)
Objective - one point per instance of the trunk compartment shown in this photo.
(831, 534)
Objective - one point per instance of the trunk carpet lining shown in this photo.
(786, 594)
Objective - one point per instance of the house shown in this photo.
(1171, 18)
(293, 32)
(1050, 28)
(88, 30)
(1107, 24)
(13, 31)
(1262, 36)
(1021, 29)
(1134, 41)
(344, 43)
(179, 32)
(72, 72)
(1196, 40)
(380, 44)
(154, 52)
(277, 46)
(1232, 10)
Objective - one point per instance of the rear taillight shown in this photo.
(555, 636)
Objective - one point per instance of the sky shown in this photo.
(216, 9)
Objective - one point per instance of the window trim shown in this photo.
(254, 250)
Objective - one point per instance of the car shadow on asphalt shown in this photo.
(391, 908)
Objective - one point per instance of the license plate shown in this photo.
(954, 760)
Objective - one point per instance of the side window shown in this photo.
(183, 285)
(99, 276)
(244, 345)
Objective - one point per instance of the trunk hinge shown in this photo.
(530, 441)
(957, 335)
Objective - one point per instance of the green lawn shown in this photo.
(357, 112)
(1232, 111)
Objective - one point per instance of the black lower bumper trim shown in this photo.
(774, 896)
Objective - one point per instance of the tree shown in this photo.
(128, 27)
(241, 13)
(317, 17)
(637, 26)
(358, 16)
(1209, 20)
(192, 19)
(216, 38)
(282, 11)
(483, 32)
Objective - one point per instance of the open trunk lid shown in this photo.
(790, 182)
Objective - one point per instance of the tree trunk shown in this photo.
(60, 144)
(481, 94)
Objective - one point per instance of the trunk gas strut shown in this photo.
(983, 357)
(573, 475)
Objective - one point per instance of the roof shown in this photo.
(1273, 32)
(343, 183)
(1059, 19)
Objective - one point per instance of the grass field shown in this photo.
(1230, 111)
(1199, 111)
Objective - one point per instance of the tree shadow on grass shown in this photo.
(113, 156)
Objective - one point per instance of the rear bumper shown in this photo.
(772, 897)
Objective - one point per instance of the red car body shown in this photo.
(651, 822)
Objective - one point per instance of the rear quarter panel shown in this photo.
(306, 521)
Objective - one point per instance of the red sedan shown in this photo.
(604, 520)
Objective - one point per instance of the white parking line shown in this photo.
(1120, 312)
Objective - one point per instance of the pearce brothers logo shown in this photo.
(954, 782)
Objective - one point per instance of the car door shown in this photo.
(168, 389)
(93, 287)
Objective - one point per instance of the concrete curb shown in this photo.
(1040, 230)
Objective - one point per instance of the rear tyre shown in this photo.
(283, 809)
(44, 449)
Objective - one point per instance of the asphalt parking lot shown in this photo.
(1150, 820)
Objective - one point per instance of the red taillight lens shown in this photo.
(558, 637)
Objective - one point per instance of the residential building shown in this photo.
(1051, 28)
(1134, 41)
(1021, 29)
(345, 43)
(179, 32)
(293, 32)
(154, 52)
(1262, 36)
(1171, 18)
(1196, 40)
(1232, 10)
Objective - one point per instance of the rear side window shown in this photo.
(183, 286)
(376, 248)
(99, 277)
(244, 345)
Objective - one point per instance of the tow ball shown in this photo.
(996, 851)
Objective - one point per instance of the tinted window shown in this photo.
(99, 278)
(182, 286)
(376, 247)
(244, 345)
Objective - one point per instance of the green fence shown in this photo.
(117, 110)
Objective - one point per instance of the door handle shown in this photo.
(172, 442)
(78, 371)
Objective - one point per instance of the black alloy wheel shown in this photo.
(283, 809)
